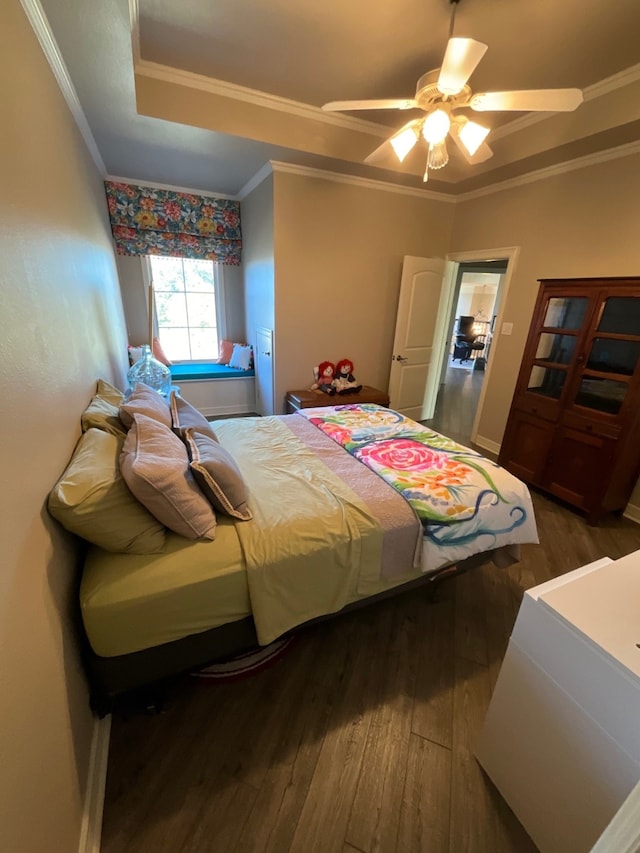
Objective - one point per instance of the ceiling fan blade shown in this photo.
(483, 152)
(461, 59)
(384, 104)
(528, 100)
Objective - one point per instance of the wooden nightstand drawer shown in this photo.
(307, 399)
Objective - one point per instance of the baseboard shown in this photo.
(91, 830)
(632, 512)
(487, 444)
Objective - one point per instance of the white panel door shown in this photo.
(421, 287)
(264, 371)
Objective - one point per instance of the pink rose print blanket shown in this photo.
(466, 503)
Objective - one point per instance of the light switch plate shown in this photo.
(507, 328)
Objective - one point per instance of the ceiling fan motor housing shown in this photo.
(428, 94)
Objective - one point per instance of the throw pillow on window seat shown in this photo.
(225, 351)
(241, 357)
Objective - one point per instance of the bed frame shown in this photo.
(141, 678)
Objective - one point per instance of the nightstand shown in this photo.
(307, 399)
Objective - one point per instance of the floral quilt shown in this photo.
(465, 502)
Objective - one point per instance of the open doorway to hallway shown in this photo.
(471, 327)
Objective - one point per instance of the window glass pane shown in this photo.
(201, 309)
(621, 314)
(185, 300)
(204, 344)
(167, 274)
(547, 380)
(175, 343)
(558, 348)
(614, 356)
(566, 312)
(606, 395)
(171, 309)
(198, 276)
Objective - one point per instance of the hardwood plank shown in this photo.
(327, 807)
(470, 634)
(373, 825)
(424, 818)
(432, 713)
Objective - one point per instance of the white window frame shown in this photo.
(221, 308)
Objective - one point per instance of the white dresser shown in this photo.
(561, 740)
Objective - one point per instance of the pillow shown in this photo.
(185, 416)
(242, 357)
(155, 466)
(225, 350)
(101, 414)
(135, 354)
(109, 393)
(159, 354)
(144, 400)
(217, 475)
(92, 500)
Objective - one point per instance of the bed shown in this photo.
(349, 504)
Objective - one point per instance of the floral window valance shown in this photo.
(148, 221)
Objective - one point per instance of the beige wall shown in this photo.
(257, 211)
(61, 327)
(581, 223)
(339, 250)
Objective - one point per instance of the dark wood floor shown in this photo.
(360, 739)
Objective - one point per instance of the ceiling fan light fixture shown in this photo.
(438, 155)
(436, 126)
(404, 141)
(472, 135)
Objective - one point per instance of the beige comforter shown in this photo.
(312, 543)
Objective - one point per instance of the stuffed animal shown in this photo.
(344, 381)
(324, 374)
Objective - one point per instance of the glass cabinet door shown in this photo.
(612, 355)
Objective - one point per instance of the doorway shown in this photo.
(471, 325)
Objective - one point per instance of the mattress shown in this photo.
(133, 602)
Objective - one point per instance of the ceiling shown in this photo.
(203, 94)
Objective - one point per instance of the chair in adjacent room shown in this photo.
(467, 344)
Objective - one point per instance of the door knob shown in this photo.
(401, 358)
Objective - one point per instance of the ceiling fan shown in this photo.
(439, 93)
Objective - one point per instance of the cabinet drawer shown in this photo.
(590, 425)
(539, 406)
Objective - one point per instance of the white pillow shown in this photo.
(241, 357)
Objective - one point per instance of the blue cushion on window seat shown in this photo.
(206, 370)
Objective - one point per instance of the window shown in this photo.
(188, 305)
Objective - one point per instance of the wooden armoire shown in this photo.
(574, 426)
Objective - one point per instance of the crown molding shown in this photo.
(156, 186)
(167, 74)
(369, 183)
(596, 90)
(260, 176)
(626, 150)
(40, 25)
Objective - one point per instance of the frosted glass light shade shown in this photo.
(436, 126)
(404, 141)
(438, 156)
(472, 135)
